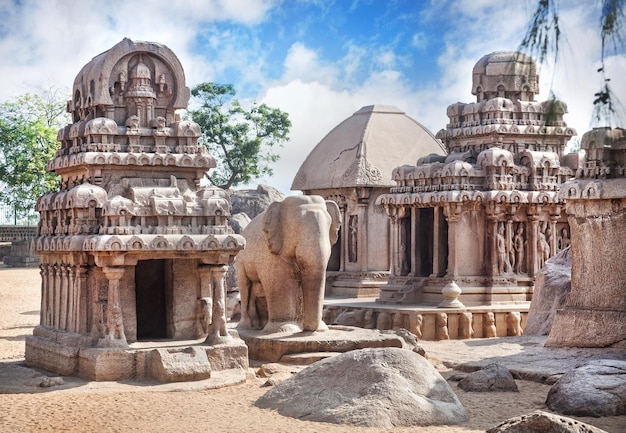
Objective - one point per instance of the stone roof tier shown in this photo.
(364, 149)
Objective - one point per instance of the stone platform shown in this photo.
(429, 322)
(293, 347)
(68, 354)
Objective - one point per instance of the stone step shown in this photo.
(306, 358)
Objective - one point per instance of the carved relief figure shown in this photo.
(398, 321)
(205, 313)
(518, 246)
(543, 248)
(466, 329)
(369, 319)
(441, 327)
(353, 238)
(513, 324)
(384, 321)
(489, 324)
(504, 266)
(417, 321)
(564, 240)
(285, 259)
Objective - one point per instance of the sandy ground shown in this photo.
(82, 406)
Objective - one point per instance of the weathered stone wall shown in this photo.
(11, 233)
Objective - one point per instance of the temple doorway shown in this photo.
(150, 292)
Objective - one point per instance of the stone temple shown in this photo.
(352, 166)
(472, 225)
(133, 250)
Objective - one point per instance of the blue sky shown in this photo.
(318, 60)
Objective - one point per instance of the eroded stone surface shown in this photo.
(595, 389)
(273, 347)
(492, 378)
(371, 387)
(543, 422)
(552, 285)
(594, 314)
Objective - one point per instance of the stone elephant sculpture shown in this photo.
(282, 270)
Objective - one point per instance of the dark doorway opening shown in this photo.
(425, 241)
(150, 284)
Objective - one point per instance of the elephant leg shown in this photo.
(282, 304)
(248, 308)
(313, 285)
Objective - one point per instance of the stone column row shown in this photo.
(62, 285)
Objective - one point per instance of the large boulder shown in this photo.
(543, 422)
(552, 285)
(597, 388)
(492, 378)
(380, 388)
(254, 201)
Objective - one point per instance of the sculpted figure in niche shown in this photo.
(398, 321)
(489, 325)
(513, 324)
(284, 263)
(384, 321)
(353, 238)
(205, 314)
(504, 266)
(564, 241)
(543, 248)
(466, 330)
(369, 319)
(441, 327)
(416, 323)
(518, 246)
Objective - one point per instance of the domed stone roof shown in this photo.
(364, 149)
(503, 73)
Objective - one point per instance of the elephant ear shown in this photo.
(335, 215)
(273, 227)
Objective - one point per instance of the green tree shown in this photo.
(543, 37)
(28, 140)
(242, 141)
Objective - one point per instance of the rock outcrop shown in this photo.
(492, 378)
(254, 201)
(598, 388)
(381, 388)
(543, 422)
(552, 285)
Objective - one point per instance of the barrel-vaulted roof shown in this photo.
(364, 149)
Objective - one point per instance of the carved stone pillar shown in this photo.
(413, 270)
(82, 299)
(436, 244)
(217, 329)
(363, 202)
(114, 336)
(453, 215)
(56, 296)
(43, 311)
(64, 298)
(343, 251)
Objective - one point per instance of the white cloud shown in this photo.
(48, 42)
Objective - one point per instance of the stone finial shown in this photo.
(451, 292)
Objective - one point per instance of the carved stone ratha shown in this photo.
(133, 249)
